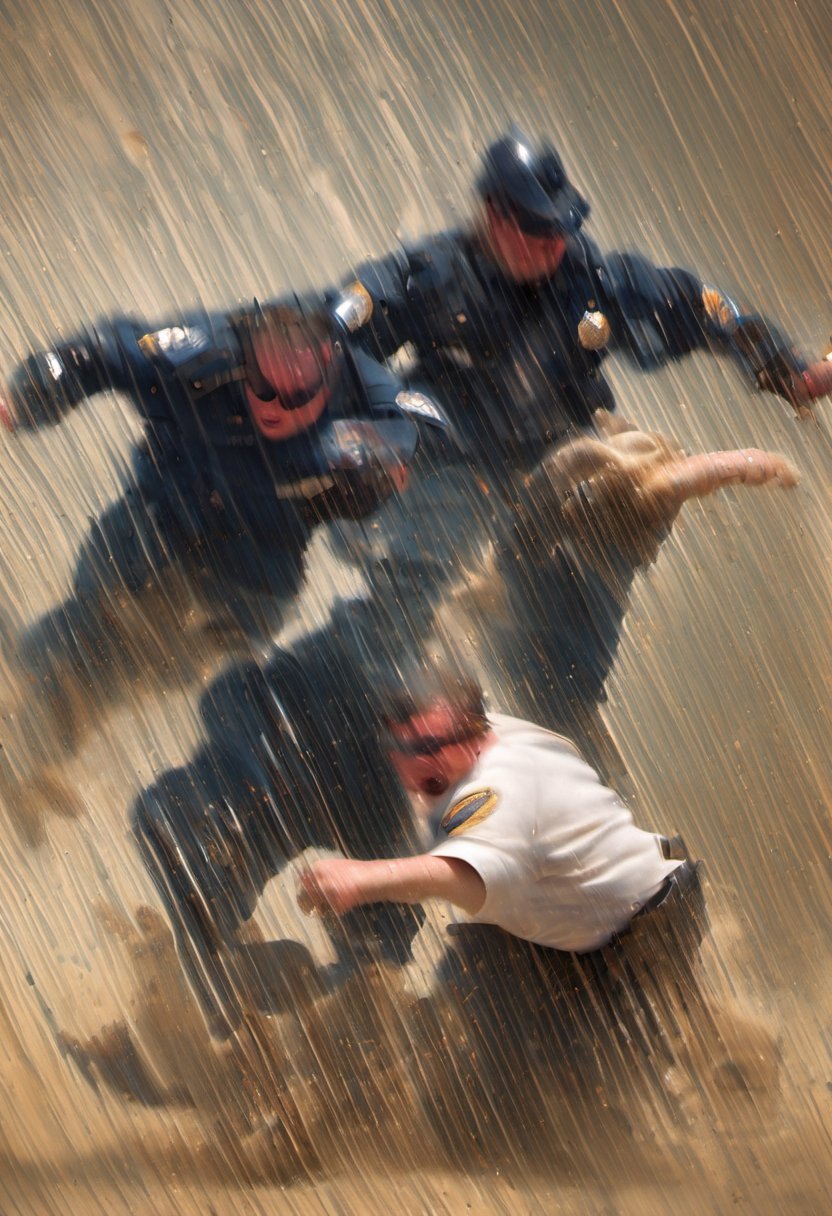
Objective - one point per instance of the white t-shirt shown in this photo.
(562, 861)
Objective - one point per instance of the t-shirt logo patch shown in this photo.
(469, 811)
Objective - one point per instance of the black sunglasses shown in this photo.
(263, 388)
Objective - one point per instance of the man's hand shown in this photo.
(665, 472)
(332, 886)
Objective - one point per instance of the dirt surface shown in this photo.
(158, 154)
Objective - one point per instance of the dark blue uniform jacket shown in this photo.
(201, 451)
(512, 364)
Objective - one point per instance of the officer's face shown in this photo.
(299, 376)
(431, 759)
(521, 256)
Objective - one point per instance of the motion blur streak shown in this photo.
(155, 154)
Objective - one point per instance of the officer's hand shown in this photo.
(814, 382)
(7, 415)
(781, 376)
(797, 384)
(331, 886)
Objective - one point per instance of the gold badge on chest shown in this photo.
(593, 329)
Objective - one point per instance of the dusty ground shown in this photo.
(156, 154)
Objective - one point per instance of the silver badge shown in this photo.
(420, 406)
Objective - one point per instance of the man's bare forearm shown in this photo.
(340, 884)
(411, 880)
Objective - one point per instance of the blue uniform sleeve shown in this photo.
(49, 384)
(660, 314)
(391, 324)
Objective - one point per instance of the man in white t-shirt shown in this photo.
(527, 837)
(575, 967)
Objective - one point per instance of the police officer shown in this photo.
(259, 425)
(508, 323)
(511, 319)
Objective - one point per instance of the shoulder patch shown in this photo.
(176, 344)
(720, 311)
(469, 811)
(354, 306)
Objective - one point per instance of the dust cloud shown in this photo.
(156, 155)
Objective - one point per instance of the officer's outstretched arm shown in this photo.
(49, 384)
(765, 355)
(660, 314)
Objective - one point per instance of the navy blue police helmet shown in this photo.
(530, 184)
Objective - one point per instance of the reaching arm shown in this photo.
(340, 884)
(704, 474)
(661, 314)
(615, 497)
(49, 384)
